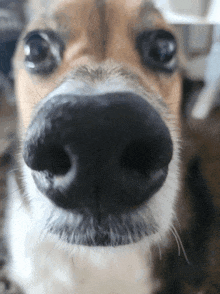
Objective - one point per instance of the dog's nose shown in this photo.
(106, 153)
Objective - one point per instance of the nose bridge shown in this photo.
(121, 19)
(102, 30)
(86, 31)
(95, 33)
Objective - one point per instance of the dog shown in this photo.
(98, 90)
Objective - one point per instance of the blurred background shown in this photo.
(197, 25)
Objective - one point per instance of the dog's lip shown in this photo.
(81, 227)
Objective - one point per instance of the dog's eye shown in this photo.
(43, 51)
(157, 49)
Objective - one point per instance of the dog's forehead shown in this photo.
(141, 13)
(131, 9)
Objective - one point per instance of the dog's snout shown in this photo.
(109, 152)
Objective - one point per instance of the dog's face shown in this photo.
(98, 90)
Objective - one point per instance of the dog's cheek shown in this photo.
(30, 91)
(169, 87)
(24, 97)
(171, 91)
(173, 97)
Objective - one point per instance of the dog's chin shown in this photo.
(84, 228)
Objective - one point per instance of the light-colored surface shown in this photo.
(190, 12)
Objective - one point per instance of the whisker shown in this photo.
(177, 240)
(181, 244)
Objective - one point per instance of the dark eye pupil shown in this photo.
(163, 50)
(43, 51)
(157, 48)
(37, 49)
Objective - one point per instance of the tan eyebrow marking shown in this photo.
(150, 17)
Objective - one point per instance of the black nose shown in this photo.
(105, 153)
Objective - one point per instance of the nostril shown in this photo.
(134, 157)
(145, 156)
(57, 161)
(52, 158)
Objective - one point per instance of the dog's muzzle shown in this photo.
(107, 153)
